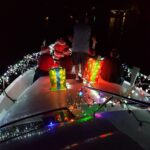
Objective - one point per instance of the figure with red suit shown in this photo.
(50, 57)
(61, 49)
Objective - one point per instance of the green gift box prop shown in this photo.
(57, 78)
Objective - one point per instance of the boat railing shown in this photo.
(146, 103)
(29, 61)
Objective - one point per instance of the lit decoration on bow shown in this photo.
(92, 70)
(57, 78)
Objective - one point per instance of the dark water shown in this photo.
(23, 29)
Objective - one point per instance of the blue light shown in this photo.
(80, 93)
(51, 124)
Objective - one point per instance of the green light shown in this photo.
(87, 118)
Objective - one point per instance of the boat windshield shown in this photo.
(34, 122)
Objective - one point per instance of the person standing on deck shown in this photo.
(81, 45)
(111, 70)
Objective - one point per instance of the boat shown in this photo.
(82, 116)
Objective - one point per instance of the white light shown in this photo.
(129, 96)
(47, 18)
(68, 85)
(110, 102)
(125, 101)
(71, 17)
(103, 99)
(84, 81)
(132, 91)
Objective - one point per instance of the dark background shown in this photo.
(23, 27)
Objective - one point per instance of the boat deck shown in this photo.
(38, 98)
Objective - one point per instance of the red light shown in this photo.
(105, 135)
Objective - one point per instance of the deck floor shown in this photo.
(38, 98)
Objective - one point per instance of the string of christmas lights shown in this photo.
(29, 61)
(142, 81)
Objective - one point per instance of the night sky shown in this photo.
(23, 27)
